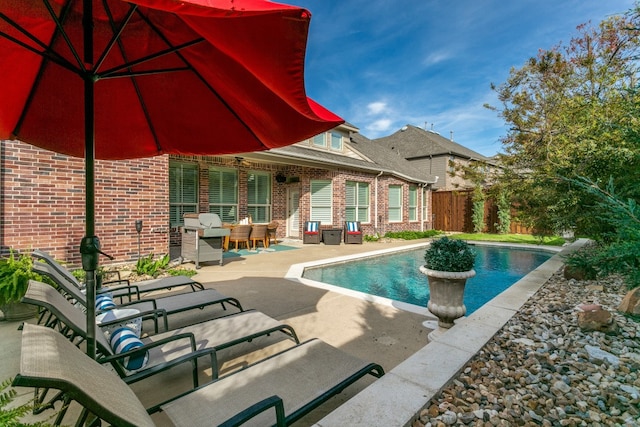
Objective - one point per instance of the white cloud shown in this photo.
(380, 125)
(436, 57)
(375, 108)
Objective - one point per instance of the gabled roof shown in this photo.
(386, 157)
(412, 142)
(374, 159)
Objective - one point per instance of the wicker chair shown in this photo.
(352, 232)
(259, 234)
(240, 234)
(311, 232)
(272, 227)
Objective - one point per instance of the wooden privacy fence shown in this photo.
(452, 211)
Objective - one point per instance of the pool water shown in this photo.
(397, 276)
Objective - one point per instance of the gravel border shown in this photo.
(542, 369)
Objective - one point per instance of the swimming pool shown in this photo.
(396, 276)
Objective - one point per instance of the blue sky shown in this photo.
(381, 64)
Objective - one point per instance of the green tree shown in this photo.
(477, 216)
(572, 111)
(503, 203)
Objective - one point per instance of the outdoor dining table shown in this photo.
(231, 226)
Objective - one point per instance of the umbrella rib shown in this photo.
(117, 40)
(151, 57)
(45, 52)
(63, 32)
(204, 81)
(116, 32)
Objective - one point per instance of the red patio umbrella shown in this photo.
(114, 79)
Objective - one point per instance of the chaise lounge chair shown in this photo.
(166, 349)
(166, 305)
(123, 287)
(276, 391)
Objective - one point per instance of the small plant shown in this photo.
(447, 254)
(10, 417)
(15, 273)
(148, 266)
(581, 264)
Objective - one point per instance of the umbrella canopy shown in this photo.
(114, 79)
(189, 77)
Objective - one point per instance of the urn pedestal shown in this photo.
(446, 293)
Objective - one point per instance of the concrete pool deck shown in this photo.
(395, 338)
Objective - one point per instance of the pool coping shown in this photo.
(397, 398)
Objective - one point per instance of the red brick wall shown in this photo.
(43, 204)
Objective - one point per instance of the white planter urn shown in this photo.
(446, 292)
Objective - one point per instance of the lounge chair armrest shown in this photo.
(130, 304)
(172, 338)
(148, 346)
(256, 409)
(149, 314)
(191, 358)
(122, 288)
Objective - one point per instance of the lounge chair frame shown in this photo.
(154, 307)
(122, 287)
(48, 360)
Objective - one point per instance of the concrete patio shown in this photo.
(397, 339)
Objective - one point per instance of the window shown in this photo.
(183, 191)
(319, 141)
(357, 201)
(395, 203)
(321, 197)
(413, 203)
(259, 196)
(336, 141)
(223, 193)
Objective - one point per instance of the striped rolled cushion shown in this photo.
(104, 302)
(312, 228)
(123, 340)
(352, 227)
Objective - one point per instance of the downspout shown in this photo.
(375, 216)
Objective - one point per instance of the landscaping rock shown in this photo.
(597, 320)
(631, 302)
(542, 368)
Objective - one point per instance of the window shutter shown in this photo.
(321, 201)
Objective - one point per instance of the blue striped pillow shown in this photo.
(125, 339)
(352, 226)
(104, 302)
(312, 227)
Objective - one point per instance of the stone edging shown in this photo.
(396, 398)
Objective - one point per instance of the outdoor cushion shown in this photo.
(312, 228)
(352, 227)
(104, 302)
(124, 340)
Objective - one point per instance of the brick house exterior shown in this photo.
(42, 193)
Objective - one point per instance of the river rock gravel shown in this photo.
(542, 369)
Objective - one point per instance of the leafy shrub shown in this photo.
(503, 226)
(15, 274)
(412, 235)
(148, 266)
(447, 254)
(477, 216)
(583, 263)
(619, 250)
